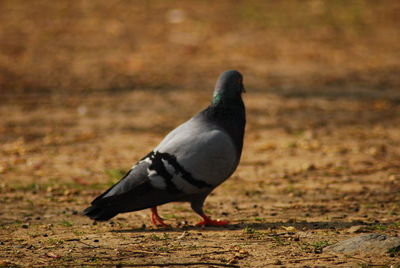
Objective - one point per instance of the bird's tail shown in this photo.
(100, 213)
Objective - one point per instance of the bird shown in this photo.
(188, 164)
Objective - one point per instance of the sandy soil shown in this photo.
(313, 167)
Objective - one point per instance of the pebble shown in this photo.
(394, 177)
(356, 229)
(372, 243)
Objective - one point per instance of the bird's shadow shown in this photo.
(302, 225)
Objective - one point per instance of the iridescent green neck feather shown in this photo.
(216, 99)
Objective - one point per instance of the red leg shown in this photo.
(207, 221)
(156, 219)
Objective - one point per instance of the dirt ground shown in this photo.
(313, 167)
(89, 87)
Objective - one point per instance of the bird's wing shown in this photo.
(198, 154)
(191, 160)
(133, 192)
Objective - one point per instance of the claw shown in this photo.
(156, 219)
(207, 221)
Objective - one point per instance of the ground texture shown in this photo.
(89, 87)
(315, 170)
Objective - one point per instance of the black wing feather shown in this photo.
(133, 192)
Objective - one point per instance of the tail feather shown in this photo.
(99, 213)
(141, 197)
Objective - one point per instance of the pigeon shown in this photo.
(188, 164)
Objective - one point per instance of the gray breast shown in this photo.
(203, 150)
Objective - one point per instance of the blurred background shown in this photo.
(287, 47)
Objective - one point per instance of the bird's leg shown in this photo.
(207, 221)
(197, 206)
(156, 219)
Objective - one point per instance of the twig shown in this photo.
(314, 258)
(126, 250)
(366, 261)
(357, 258)
(78, 240)
(144, 252)
(212, 252)
(160, 264)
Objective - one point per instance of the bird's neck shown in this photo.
(230, 115)
(216, 98)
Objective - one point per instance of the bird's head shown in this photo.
(229, 86)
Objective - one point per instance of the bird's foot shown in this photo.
(207, 221)
(157, 220)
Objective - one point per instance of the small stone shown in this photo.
(394, 177)
(308, 167)
(278, 262)
(373, 243)
(289, 228)
(67, 192)
(52, 255)
(356, 229)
